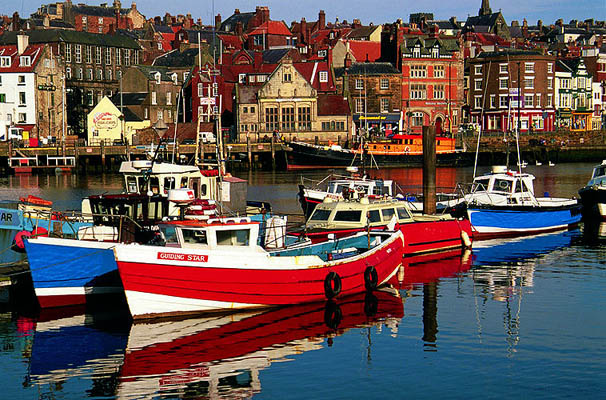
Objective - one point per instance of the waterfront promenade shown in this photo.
(539, 147)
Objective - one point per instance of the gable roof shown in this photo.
(271, 28)
(311, 72)
(363, 50)
(34, 52)
(230, 23)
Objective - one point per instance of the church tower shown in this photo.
(485, 9)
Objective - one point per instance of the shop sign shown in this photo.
(105, 120)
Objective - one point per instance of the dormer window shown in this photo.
(323, 76)
(321, 53)
(25, 61)
(157, 77)
(435, 52)
(416, 51)
(174, 78)
(5, 62)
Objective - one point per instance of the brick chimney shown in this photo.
(16, 25)
(238, 29)
(217, 21)
(258, 60)
(321, 20)
(237, 11)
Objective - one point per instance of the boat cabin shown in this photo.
(598, 177)
(502, 186)
(143, 176)
(358, 214)
(218, 232)
(373, 187)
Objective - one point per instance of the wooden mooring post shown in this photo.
(249, 153)
(429, 169)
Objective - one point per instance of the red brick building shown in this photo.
(432, 82)
(505, 84)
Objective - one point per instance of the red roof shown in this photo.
(272, 28)
(333, 104)
(34, 51)
(231, 41)
(363, 50)
(311, 72)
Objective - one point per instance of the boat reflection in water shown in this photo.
(594, 233)
(223, 355)
(429, 268)
(499, 251)
(216, 356)
(67, 347)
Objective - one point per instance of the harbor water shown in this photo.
(512, 318)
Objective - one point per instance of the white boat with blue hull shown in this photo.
(32, 216)
(502, 203)
(593, 195)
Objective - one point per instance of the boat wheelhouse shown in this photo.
(339, 187)
(422, 233)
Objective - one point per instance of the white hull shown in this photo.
(148, 304)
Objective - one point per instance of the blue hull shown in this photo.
(13, 221)
(65, 271)
(512, 222)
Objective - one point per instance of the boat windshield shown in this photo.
(320, 215)
(374, 216)
(599, 171)
(169, 232)
(387, 213)
(480, 185)
(502, 185)
(348, 216)
(196, 236)
(233, 237)
(403, 213)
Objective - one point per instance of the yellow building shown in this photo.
(105, 124)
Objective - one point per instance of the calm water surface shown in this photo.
(512, 319)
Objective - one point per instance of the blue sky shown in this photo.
(377, 11)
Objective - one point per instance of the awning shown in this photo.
(390, 118)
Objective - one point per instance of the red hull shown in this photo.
(253, 286)
(61, 300)
(260, 332)
(419, 237)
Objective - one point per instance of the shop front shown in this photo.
(383, 124)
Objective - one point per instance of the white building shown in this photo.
(18, 88)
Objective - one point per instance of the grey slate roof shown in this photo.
(178, 59)
(372, 68)
(229, 24)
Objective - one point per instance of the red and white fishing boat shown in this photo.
(218, 266)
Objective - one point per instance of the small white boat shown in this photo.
(503, 203)
(551, 163)
(538, 163)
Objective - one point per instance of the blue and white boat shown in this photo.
(502, 203)
(32, 215)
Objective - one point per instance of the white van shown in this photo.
(207, 137)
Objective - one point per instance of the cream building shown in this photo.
(105, 124)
